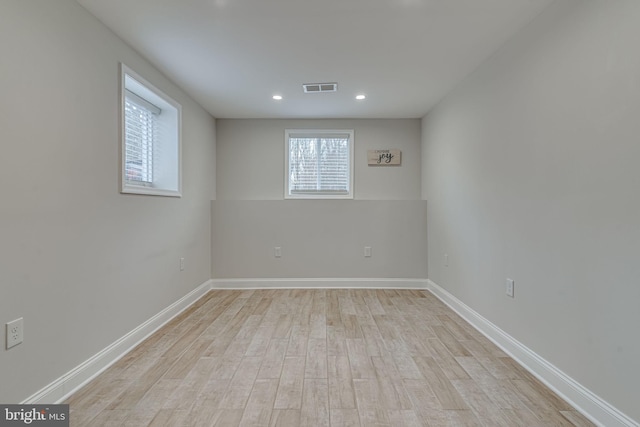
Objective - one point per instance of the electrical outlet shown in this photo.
(367, 251)
(277, 251)
(510, 287)
(15, 333)
(181, 264)
(446, 260)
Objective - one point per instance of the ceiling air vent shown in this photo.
(320, 87)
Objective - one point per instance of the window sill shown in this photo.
(318, 197)
(149, 191)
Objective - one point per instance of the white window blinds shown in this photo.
(319, 165)
(141, 131)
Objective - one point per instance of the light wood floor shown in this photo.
(318, 358)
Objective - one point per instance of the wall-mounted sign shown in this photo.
(384, 157)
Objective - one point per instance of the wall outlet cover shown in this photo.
(15, 332)
(510, 287)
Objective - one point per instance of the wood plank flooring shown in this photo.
(318, 358)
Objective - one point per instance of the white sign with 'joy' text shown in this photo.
(383, 157)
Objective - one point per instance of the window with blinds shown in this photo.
(150, 139)
(319, 164)
(141, 130)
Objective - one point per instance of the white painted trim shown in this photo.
(591, 406)
(69, 383)
(319, 283)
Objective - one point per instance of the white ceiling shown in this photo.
(232, 55)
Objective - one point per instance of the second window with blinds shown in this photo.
(319, 164)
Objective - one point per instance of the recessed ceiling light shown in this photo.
(360, 97)
(277, 97)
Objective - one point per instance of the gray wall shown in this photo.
(80, 262)
(531, 172)
(319, 238)
(251, 157)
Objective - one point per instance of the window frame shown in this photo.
(315, 133)
(171, 186)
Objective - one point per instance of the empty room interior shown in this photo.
(321, 213)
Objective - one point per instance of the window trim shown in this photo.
(127, 187)
(311, 133)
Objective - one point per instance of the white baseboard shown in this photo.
(319, 283)
(590, 405)
(73, 380)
